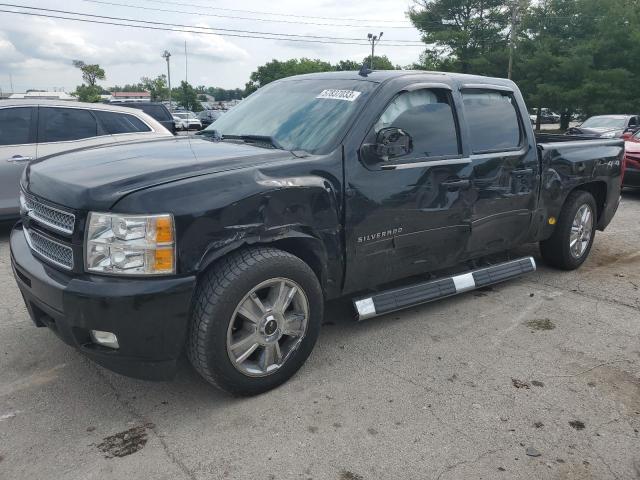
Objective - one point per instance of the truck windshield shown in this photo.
(298, 114)
(605, 122)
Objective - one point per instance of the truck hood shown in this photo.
(96, 178)
(596, 132)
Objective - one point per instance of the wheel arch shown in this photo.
(598, 189)
(306, 247)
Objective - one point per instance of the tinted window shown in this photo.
(159, 112)
(63, 124)
(492, 119)
(428, 117)
(15, 124)
(114, 122)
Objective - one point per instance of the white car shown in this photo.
(187, 121)
(33, 129)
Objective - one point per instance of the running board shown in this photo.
(405, 297)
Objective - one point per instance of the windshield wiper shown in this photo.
(255, 139)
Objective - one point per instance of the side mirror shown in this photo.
(627, 135)
(392, 142)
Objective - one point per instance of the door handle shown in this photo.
(454, 184)
(19, 158)
(524, 171)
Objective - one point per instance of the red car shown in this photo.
(632, 160)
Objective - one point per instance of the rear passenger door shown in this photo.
(61, 129)
(505, 172)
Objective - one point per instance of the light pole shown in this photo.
(373, 39)
(166, 55)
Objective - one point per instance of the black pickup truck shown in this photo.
(227, 244)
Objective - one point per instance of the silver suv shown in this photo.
(33, 129)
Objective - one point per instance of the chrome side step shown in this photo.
(405, 297)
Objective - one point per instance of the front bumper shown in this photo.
(149, 316)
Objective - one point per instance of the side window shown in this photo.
(492, 119)
(64, 124)
(114, 122)
(15, 125)
(427, 116)
(633, 122)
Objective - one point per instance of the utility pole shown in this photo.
(166, 55)
(373, 40)
(11, 82)
(186, 65)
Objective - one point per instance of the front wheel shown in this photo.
(255, 321)
(572, 239)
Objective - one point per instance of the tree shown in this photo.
(463, 35)
(379, 63)
(187, 97)
(579, 56)
(275, 70)
(90, 73)
(349, 65)
(157, 87)
(88, 93)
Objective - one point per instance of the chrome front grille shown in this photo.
(50, 250)
(48, 216)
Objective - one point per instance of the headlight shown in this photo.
(130, 244)
(612, 134)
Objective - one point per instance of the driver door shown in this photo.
(410, 213)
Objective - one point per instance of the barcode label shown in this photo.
(348, 95)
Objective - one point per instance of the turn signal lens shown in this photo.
(164, 230)
(164, 260)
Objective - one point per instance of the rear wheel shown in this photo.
(256, 319)
(572, 239)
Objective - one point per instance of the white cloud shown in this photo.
(210, 47)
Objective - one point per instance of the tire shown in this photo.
(224, 304)
(557, 250)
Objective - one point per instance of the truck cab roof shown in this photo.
(381, 76)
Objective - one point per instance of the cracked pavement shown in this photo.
(455, 389)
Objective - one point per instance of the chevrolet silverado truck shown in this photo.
(361, 184)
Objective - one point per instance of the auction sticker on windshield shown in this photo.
(348, 95)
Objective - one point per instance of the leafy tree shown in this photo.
(275, 69)
(463, 35)
(349, 65)
(88, 93)
(186, 96)
(90, 73)
(580, 56)
(379, 63)
(157, 87)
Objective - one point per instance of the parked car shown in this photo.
(187, 121)
(35, 129)
(156, 110)
(632, 160)
(318, 186)
(546, 117)
(207, 117)
(607, 126)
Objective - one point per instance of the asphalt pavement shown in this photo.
(538, 378)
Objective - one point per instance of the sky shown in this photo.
(36, 53)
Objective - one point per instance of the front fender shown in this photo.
(283, 205)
